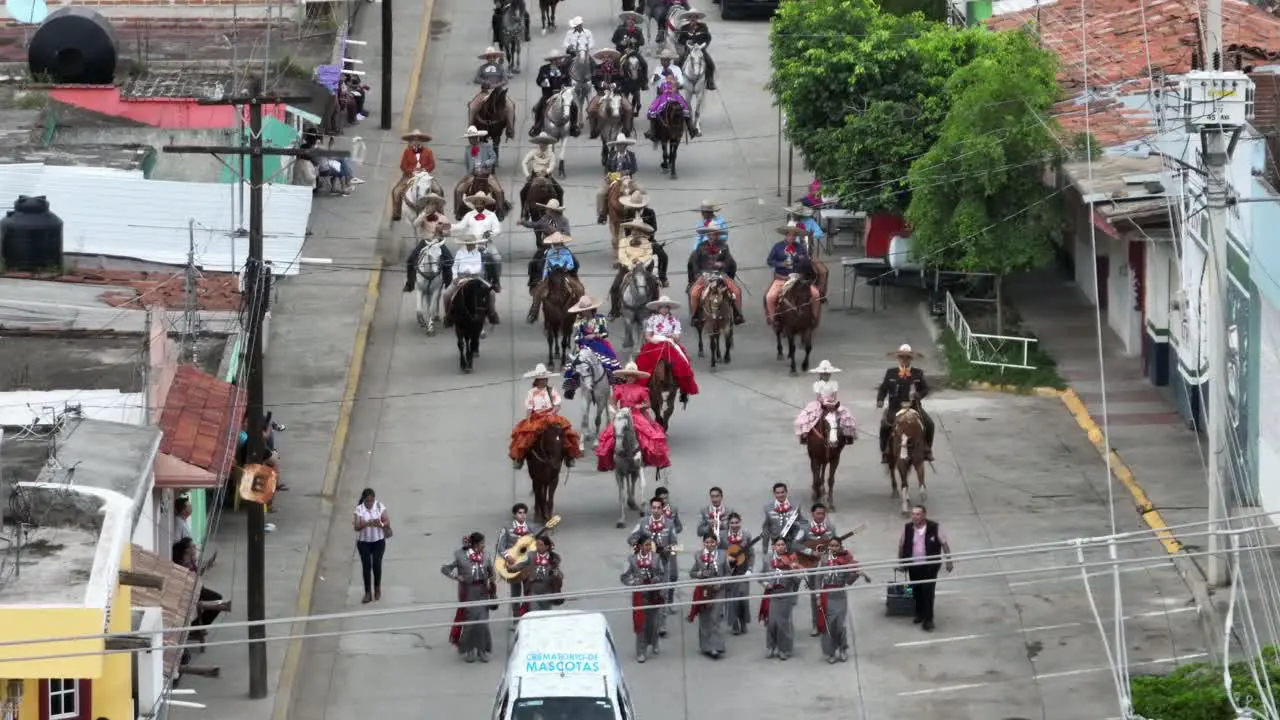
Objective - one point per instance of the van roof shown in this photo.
(551, 643)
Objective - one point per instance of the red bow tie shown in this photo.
(520, 529)
(542, 559)
(476, 557)
(479, 216)
(819, 529)
(784, 507)
(475, 150)
(656, 526)
(644, 561)
(708, 558)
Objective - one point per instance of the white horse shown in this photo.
(557, 119)
(635, 297)
(695, 81)
(593, 382)
(628, 464)
(580, 74)
(415, 202)
(430, 285)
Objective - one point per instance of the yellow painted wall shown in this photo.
(113, 694)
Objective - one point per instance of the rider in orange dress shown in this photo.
(653, 441)
(662, 341)
(542, 408)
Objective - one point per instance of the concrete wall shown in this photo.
(185, 168)
(1121, 311)
(145, 534)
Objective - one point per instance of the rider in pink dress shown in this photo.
(669, 92)
(653, 441)
(662, 341)
(826, 398)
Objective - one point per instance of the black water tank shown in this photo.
(74, 45)
(31, 237)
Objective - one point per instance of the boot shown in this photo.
(569, 462)
(693, 131)
(517, 464)
(408, 283)
(737, 316)
(648, 135)
(534, 307)
(535, 128)
(493, 317)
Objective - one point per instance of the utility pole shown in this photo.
(385, 112)
(257, 293)
(190, 301)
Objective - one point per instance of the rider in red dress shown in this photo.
(662, 341)
(653, 441)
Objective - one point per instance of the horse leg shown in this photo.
(550, 505)
(700, 351)
(675, 150)
(815, 469)
(623, 497)
(778, 335)
(462, 354)
(551, 346)
(807, 338)
(791, 352)
(833, 462)
(924, 491)
(715, 350)
(893, 480)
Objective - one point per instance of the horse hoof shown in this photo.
(794, 373)
(619, 525)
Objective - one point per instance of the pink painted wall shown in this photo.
(163, 365)
(169, 113)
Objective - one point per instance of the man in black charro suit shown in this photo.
(896, 388)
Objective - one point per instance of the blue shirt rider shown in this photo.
(802, 217)
(711, 219)
(558, 257)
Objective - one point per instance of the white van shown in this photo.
(563, 666)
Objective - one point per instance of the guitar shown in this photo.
(503, 563)
(738, 553)
(820, 547)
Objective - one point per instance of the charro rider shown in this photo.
(662, 341)
(669, 93)
(499, 9)
(417, 157)
(711, 218)
(713, 256)
(896, 388)
(480, 221)
(552, 221)
(666, 68)
(694, 31)
(628, 32)
(469, 265)
(826, 392)
(621, 163)
(635, 254)
(602, 79)
(433, 227)
(636, 207)
(786, 258)
(631, 393)
(578, 38)
(493, 73)
(542, 408)
(552, 78)
(557, 258)
(480, 159)
(590, 332)
(540, 162)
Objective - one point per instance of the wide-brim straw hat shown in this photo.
(631, 370)
(543, 139)
(416, 136)
(634, 200)
(433, 195)
(552, 205)
(575, 21)
(639, 226)
(606, 54)
(472, 239)
(475, 132)
(557, 239)
(791, 230)
(905, 350)
(540, 372)
(480, 197)
(629, 15)
(554, 54)
(709, 206)
(491, 52)
(800, 209)
(825, 368)
(690, 15)
(668, 54)
(585, 303)
(622, 139)
(662, 302)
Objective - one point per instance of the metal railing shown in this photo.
(1005, 351)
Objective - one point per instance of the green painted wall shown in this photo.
(274, 134)
(200, 498)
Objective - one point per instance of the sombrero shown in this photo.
(631, 371)
(708, 206)
(585, 303)
(622, 139)
(904, 350)
(490, 52)
(472, 239)
(628, 15)
(825, 367)
(662, 302)
(554, 54)
(800, 209)
(543, 139)
(635, 200)
(607, 55)
(575, 21)
(638, 225)
(540, 372)
(474, 132)
(791, 230)
(480, 197)
(557, 239)
(690, 15)
(416, 136)
(433, 195)
(552, 205)
(668, 54)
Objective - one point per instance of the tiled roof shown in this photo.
(176, 599)
(201, 419)
(216, 292)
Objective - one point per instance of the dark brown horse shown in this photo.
(668, 131)
(824, 443)
(544, 461)
(472, 184)
(662, 392)
(906, 451)
(796, 319)
(539, 191)
(548, 8)
(715, 317)
(495, 113)
(562, 291)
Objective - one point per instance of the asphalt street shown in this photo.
(1016, 635)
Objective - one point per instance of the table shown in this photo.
(864, 267)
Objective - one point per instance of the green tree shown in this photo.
(935, 10)
(978, 198)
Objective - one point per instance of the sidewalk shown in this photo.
(318, 328)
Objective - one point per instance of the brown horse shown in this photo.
(548, 8)
(668, 131)
(495, 113)
(538, 191)
(472, 184)
(824, 443)
(662, 392)
(906, 451)
(796, 318)
(544, 461)
(715, 317)
(562, 291)
(614, 209)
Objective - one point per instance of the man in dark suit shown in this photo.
(923, 549)
(896, 388)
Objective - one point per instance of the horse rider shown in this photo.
(666, 8)
(557, 258)
(635, 254)
(635, 206)
(662, 332)
(666, 68)
(469, 264)
(693, 31)
(540, 162)
(803, 227)
(825, 392)
(786, 258)
(713, 256)
(711, 218)
(590, 331)
(628, 32)
(602, 75)
(631, 392)
(552, 78)
(493, 73)
(480, 222)
(432, 227)
(499, 9)
(542, 409)
(578, 38)
(480, 159)
(802, 216)
(896, 388)
(620, 163)
(668, 92)
(417, 157)
(552, 221)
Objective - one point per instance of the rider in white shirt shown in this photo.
(667, 67)
(469, 262)
(578, 38)
(482, 222)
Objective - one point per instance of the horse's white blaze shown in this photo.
(902, 447)
(833, 429)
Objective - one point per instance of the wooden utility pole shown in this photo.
(257, 294)
(387, 37)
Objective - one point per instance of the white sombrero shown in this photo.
(554, 54)
(539, 372)
(800, 209)
(491, 52)
(904, 350)
(607, 55)
(639, 226)
(631, 370)
(708, 206)
(472, 239)
(552, 205)
(825, 367)
(662, 302)
(585, 303)
(480, 197)
(629, 15)
(622, 139)
(416, 136)
(575, 21)
(543, 139)
(668, 54)
(557, 239)
(691, 15)
(635, 200)
(474, 132)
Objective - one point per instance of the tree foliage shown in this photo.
(932, 9)
(1196, 691)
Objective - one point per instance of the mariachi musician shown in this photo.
(837, 570)
(739, 546)
(782, 518)
(540, 574)
(660, 528)
(473, 572)
(710, 564)
(779, 603)
(818, 530)
(510, 535)
(714, 517)
(646, 567)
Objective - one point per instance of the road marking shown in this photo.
(1047, 676)
(1163, 564)
(1038, 628)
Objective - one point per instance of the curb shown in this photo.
(288, 678)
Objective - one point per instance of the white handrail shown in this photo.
(985, 348)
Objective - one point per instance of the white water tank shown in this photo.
(899, 255)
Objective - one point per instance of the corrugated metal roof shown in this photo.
(37, 407)
(131, 217)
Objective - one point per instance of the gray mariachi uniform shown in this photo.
(646, 570)
(665, 538)
(775, 522)
(545, 578)
(710, 614)
(474, 576)
(705, 524)
(738, 594)
(507, 538)
(812, 531)
(837, 576)
(780, 630)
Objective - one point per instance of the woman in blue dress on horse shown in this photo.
(590, 331)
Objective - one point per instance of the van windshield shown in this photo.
(563, 708)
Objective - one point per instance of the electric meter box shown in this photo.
(1217, 99)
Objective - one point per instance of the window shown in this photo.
(558, 708)
(64, 699)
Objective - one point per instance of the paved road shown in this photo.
(1010, 471)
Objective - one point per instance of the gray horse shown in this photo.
(580, 74)
(430, 284)
(628, 464)
(593, 382)
(636, 294)
(557, 117)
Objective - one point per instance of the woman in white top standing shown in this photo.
(542, 408)
(373, 527)
(826, 393)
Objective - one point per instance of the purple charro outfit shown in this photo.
(667, 94)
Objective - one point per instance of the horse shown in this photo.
(638, 288)
(557, 120)
(906, 451)
(414, 202)
(557, 322)
(664, 17)
(430, 285)
(548, 8)
(540, 191)
(468, 312)
(631, 78)
(473, 184)
(613, 116)
(628, 464)
(580, 75)
(614, 211)
(824, 444)
(662, 391)
(593, 382)
(715, 316)
(668, 130)
(544, 461)
(495, 113)
(795, 318)
(512, 34)
(694, 67)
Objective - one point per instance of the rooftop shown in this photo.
(1122, 187)
(35, 362)
(200, 419)
(123, 156)
(215, 291)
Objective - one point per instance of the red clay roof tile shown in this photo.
(201, 420)
(214, 291)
